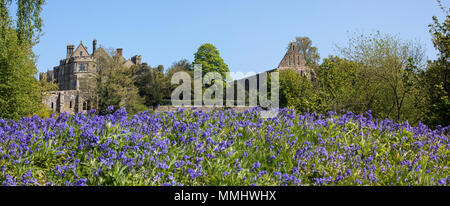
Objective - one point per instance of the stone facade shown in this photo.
(71, 101)
(292, 60)
(76, 77)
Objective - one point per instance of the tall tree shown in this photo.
(437, 76)
(209, 57)
(153, 85)
(308, 51)
(388, 75)
(115, 85)
(19, 90)
(29, 21)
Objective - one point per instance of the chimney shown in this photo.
(120, 52)
(94, 46)
(137, 59)
(70, 50)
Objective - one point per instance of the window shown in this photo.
(88, 105)
(84, 106)
(52, 105)
(70, 105)
(81, 53)
(82, 67)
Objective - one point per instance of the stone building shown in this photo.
(292, 60)
(76, 76)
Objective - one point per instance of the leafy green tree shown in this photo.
(180, 66)
(153, 85)
(29, 21)
(160, 68)
(388, 74)
(115, 85)
(308, 51)
(337, 79)
(437, 77)
(209, 57)
(296, 91)
(46, 85)
(19, 90)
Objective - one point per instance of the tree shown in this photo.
(182, 65)
(308, 51)
(153, 85)
(337, 79)
(296, 91)
(46, 85)
(160, 68)
(19, 90)
(115, 85)
(436, 78)
(209, 57)
(388, 74)
(29, 21)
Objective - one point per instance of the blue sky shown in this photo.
(251, 35)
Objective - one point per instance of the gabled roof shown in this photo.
(292, 58)
(80, 48)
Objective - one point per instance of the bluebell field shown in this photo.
(221, 147)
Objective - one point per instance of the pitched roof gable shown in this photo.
(80, 51)
(292, 58)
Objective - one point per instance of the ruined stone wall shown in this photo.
(62, 101)
(51, 100)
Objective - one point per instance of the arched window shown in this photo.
(84, 106)
(247, 85)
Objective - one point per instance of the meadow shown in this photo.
(221, 147)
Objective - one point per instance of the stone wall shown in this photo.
(51, 100)
(62, 101)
